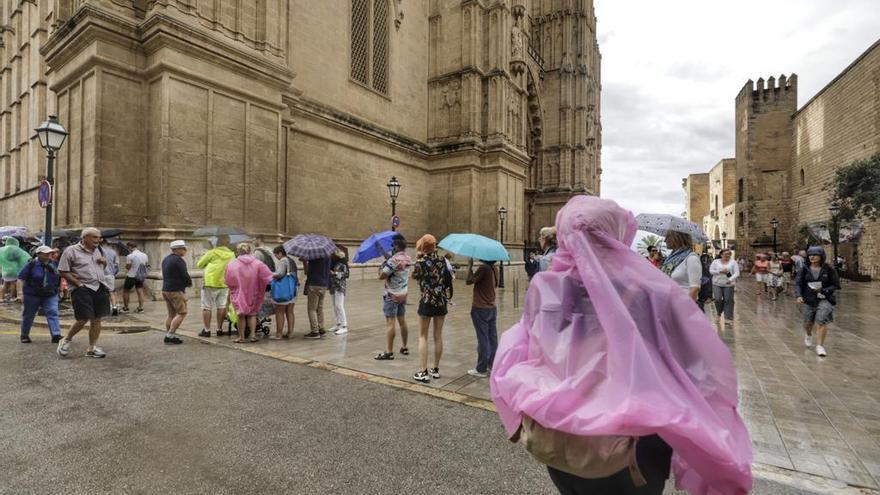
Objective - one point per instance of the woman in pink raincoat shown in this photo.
(610, 346)
(247, 278)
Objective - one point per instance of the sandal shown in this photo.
(384, 356)
(255, 339)
(239, 341)
(221, 333)
(404, 351)
(274, 337)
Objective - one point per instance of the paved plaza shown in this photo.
(814, 422)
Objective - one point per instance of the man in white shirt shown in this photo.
(137, 264)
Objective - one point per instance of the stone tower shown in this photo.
(764, 128)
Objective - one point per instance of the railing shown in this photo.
(536, 57)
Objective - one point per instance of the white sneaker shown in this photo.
(820, 351)
(334, 328)
(96, 353)
(477, 374)
(341, 331)
(808, 341)
(63, 347)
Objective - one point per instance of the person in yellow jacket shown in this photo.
(215, 293)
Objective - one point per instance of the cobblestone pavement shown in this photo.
(805, 414)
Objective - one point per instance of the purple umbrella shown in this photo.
(310, 246)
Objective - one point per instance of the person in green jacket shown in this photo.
(12, 260)
(215, 293)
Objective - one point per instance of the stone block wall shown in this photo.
(696, 188)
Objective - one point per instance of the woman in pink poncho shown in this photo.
(247, 278)
(608, 345)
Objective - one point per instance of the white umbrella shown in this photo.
(662, 224)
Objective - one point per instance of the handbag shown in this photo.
(284, 289)
(585, 456)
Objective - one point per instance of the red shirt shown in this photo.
(761, 266)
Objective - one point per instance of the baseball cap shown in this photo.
(45, 249)
(178, 244)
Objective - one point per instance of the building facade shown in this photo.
(289, 116)
(786, 157)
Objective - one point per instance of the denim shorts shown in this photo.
(820, 315)
(393, 309)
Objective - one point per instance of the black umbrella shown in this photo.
(217, 230)
(107, 233)
(121, 248)
(61, 234)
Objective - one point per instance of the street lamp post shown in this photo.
(775, 224)
(52, 135)
(834, 209)
(393, 191)
(724, 240)
(502, 215)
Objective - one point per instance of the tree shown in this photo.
(856, 189)
(650, 240)
(806, 237)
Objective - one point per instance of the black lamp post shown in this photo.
(834, 209)
(393, 191)
(502, 215)
(724, 240)
(775, 224)
(52, 135)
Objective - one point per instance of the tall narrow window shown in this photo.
(369, 43)
(740, 191)
(802, 177)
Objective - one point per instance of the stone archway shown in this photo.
(534, 148)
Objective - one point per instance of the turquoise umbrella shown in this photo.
(475, 246)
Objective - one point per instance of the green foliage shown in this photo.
(856, 189)
(806, 237)
(648, 241)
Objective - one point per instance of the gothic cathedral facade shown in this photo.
(289, 116)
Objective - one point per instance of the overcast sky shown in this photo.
(671, 70)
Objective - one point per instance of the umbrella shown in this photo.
(369, 250)
(217, 230)
(107, 233)
(13, 231)
(234, 239)
(475, 246)
(121, 248)
(60, 234)
(662, 224)
(310, 246)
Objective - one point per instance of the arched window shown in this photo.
(803, 182)
(369, 43)
(740, 191)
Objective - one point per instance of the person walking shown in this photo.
(110, 271)
(725, 273)
(395, 272)
(683, 264)
(484, 315)
(774, 274)
(787, 271)
(815, 287)
(12, 260)
(40, 285)
(317, 282)
(339, 273)
(761, 271)
(611, 364)
(136, 264)
(215, 293)
(175, 280)
(435, 281)
(82, 265)
(285, 273)
(799, 260)
(247, 278)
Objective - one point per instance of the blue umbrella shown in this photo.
(370, 251)
(475, 246)
(310, 246)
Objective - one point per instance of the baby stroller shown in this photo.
(264, 319)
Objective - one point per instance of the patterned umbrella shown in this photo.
(662, 224)
(310, 246)
(13, 231)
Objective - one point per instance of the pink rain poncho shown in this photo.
(247, 278)
(609, 345)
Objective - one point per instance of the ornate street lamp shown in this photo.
(52, 135)
(502, 216)
(394, 191)
(775, 224)
(834, 209)
(724, 240)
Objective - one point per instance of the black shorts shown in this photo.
(131, 283)
(89, 304)
(429, 310)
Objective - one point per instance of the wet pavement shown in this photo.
(806, 414)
